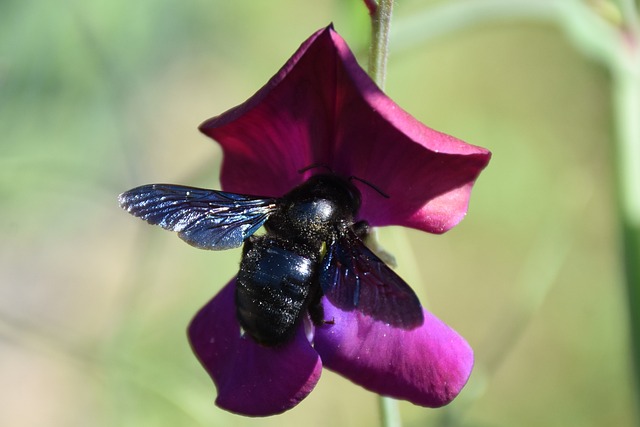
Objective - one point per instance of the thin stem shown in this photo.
(626, 98)
(389, 413)
(379, 49)
(380, 12)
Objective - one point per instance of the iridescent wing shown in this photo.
(354, 278)
(206, 219)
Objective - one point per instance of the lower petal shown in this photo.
(427, 366)
(251, 379)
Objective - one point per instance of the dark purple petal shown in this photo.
(427, 366)
(251, 379)
(322, 108)
(287, 125)
(427, 174)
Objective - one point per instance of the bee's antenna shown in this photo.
(315, 165)
(382, 193)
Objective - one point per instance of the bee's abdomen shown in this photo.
(272, 289)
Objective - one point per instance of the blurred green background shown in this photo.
(98, 97)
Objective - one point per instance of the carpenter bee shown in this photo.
(312, 246)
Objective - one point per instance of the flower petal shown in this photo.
(322, 108)
(282, 128)
(251, 379)
(427, 174)
(427, 366)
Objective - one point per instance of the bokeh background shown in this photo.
(98, 97)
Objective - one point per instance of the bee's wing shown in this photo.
(354, 278)
(206, 219)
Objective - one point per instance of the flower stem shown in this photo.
(380, 12)
(389, 413)
(378, 51)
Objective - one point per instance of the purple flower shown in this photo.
(322, 108)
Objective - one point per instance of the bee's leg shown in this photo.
(362, 229)
(315, 309)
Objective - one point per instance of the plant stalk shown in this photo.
(379, 49)
(626, 99)
(380, 12)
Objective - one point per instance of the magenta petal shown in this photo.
(427, 174)
(427, 366)
(251, 379)
(322, 108)
(287, 125)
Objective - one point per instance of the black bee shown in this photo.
(312, 247)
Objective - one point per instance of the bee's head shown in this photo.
(320, 203)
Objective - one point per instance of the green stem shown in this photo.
(626, 98)
(379, 49)
(380, 12)
(389, 413)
